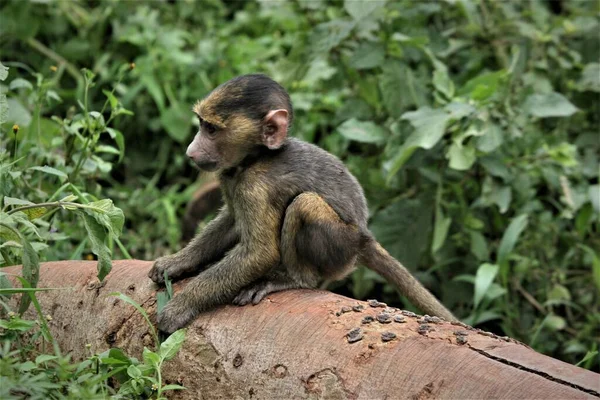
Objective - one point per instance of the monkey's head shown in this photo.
(237, 118)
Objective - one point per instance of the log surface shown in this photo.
(293, 345)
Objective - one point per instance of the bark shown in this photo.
(294, 345)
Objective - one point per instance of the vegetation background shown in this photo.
(473, 127)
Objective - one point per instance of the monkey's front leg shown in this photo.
(217, 285)
(210, 245)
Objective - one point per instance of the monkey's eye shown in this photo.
(209, 128)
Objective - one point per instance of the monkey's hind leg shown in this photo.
(315, 244)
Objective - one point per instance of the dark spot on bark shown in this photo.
(461, 333)
(384, 318)
(358, 308)
(80, 304)
(387, 336)
(399, 319)
(131, 287)
(409, 314)
(251, 392)
(111, 338)
(367, 319)
(462, 339)
(375, 303)
(280, 371)
(354, 335)
(238, 360)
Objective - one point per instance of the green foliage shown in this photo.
(472, 126)
(29, 372)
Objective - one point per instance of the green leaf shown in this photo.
(52, 171)
(359, 9)
(440, 230)
(549, 105)
(4, 107)
(365, 132)
(397, 88)
(443, 83)
(368, 55)
(588, 356)
(20, 83)
(510, 237)
(590, 77)
(177, 123)
(171, 346)
(484, 86)
(30, 271)
(117, 136)
(554, 322)
(42, 358)
(328, 35)
(112, 218)
(479, 246)
(111, 99)
(3, 72)
(491, 138)
(430, 126)
(134, 372)
(173, 387)
(13, 201)
(409, 235)
(150, 357)
(483, 279)
(461, 156)
(97, 236)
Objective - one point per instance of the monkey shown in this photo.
(293, 214)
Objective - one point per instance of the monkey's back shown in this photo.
(303, 167)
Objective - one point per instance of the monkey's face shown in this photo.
(236, 118)
(223, 143)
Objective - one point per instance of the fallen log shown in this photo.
(295, 344)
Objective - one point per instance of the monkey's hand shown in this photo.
(176, 315)
(162, 264)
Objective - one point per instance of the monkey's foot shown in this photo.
(256, 292)
(175, 316)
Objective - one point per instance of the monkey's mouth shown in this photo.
(207, 166)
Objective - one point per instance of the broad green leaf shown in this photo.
(42, 358)
(13, 201)
(319, 70)
(479, 246)
(458, 110)
(18, 324)
(461, 156)
(112, 218)
(366, 132)
(594, 193)
(359, 9)
(443, 83)
(429, 125)
(491, 138)
(397, 86)
(484, 86)
(20, 83)
(368, 55)
(328, 35)
(34, 213)
(97, 237)
(554, 322)
(483, 279)
(404, 228)
(150, 357)
(177, 123)
(134, 372)
(549, 105)
(52, 171)
(171, 346)
(510, 237)
(3, 72)
(588, 356)
(590, 77)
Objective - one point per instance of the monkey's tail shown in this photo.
(375, 257)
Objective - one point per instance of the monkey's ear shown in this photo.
(275, 128)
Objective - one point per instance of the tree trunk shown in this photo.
(294, 345)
